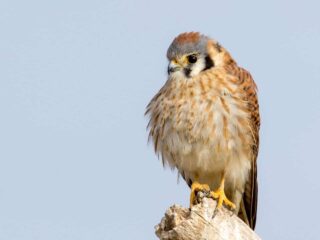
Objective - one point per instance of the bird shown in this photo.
(204, 122)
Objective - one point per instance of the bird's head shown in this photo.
(192, 53)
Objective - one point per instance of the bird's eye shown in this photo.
(192, 58)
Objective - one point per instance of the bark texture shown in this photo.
(202, 222)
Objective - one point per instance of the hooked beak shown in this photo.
(173, 67)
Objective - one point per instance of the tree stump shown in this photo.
(203, 222)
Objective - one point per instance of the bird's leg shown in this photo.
(220, 195)
(195, 188)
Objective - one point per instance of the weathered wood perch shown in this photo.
(202, 222)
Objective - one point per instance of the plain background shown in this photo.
(75, 77)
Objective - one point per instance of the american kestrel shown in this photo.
(205, 123)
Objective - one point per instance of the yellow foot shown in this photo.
(222, 199)
(195, 188)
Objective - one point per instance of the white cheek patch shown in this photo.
(198, 67)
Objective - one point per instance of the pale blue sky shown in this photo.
(75, 77)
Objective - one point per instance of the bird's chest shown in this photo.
(197, 116)
(202, 128)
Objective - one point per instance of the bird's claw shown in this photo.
(196, 189)
(222, 199)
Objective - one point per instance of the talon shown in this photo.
(221, 197)
(196, 187)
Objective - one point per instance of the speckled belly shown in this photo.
(203, 139)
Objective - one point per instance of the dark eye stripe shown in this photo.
(187, 72)
(209, 63)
